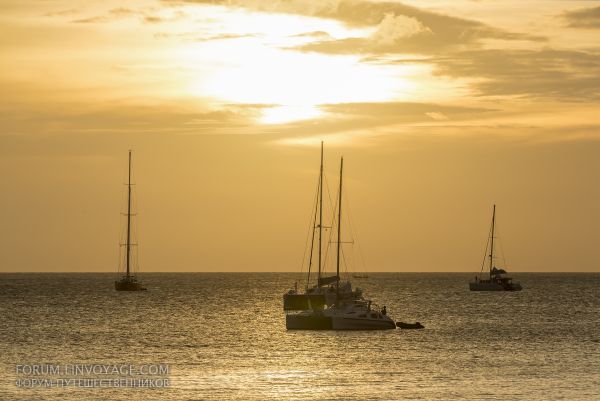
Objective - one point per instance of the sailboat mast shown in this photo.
(320, 215)
(339, 239)
(128, 213)
(313, 221)
(492, 241)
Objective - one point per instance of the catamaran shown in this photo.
(129, 281)
(343, 314)
(498, 279)
(327, 288)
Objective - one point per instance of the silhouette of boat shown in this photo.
(498, 279)
(408, 326)
(343, 314)
(327, 288)
(129, 281)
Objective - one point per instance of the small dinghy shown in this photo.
(415, 325)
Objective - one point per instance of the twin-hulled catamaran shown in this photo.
(343, 314)
(327, 288)
(498, 279)
(129, 281)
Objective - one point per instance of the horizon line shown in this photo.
(282, 272)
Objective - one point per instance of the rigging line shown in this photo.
(346, 264)
(311, 228)
(135, 255)
(333, 218)
(329, 240)
(501, 245)
(485, 254)
(331, 204)
(120, 265)
(353, 233)
(123, 226)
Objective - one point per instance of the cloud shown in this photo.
(146, 15)
(27, 108)
(547, 73)
(151, 19)
(122, 11)
(398, 28)
(356, 120)
(224, 36)
(111, 15)
(92, 20)
(436, 116)
(395, 27)
(394, 34)
(62, 13)
(400, 111)
(583, 18)
(313, 34)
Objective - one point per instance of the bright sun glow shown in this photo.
(259, 67)
(252, 73)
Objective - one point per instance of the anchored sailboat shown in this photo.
(498, 278)
(344, 314)
(129, 281)
(322, 293)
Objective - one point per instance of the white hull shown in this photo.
(356, 316)
(350, 323)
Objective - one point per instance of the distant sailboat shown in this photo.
(327, 289)
(498, 278)
(357, 314)
(129, 281)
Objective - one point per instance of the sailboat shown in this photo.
(357, 314)
(328, 288)
(498, 279)
(129, 281)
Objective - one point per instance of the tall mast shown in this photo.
(320, 215)
(339, 239)
(312, 242)
(128, 213)
(492, 244)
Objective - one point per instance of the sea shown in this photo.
(222, 336)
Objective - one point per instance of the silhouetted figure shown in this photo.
(384, 310)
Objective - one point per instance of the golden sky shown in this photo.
(440, 107)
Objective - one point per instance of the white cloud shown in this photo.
(393, 27)
(436, 116)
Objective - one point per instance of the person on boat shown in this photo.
(383, 310)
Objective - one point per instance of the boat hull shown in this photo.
(346, 323)
(410, 326)
(493, 286)
(344, 318)
(308, 322)
(129, 285)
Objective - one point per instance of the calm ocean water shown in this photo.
(224, 338)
